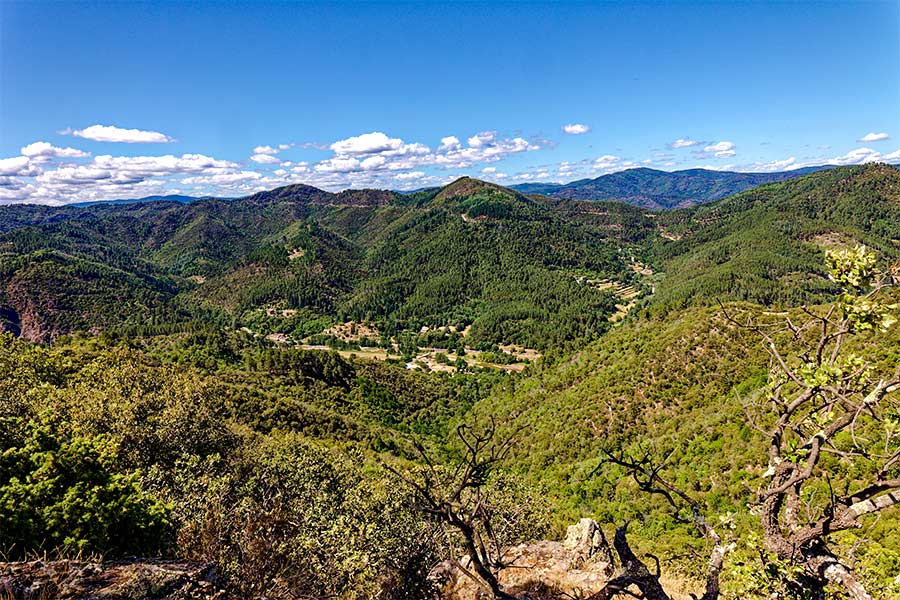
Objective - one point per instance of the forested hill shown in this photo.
(766, 245)
(661, 190)
(505, 267)
(298, 260)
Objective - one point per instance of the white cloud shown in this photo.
(78, 175)
(13, 190)
(605, 161)
(44, 151)
(489, 170)
(449, 143)
(110, 133)
(147, 166)
(682, 143)
(338, 165)
(18, 166)
(412, 175)
(874, 137)
(721, 149)
(367, 143)
(609, 163)
(271, 149)
(858, 157)
(576, 128)
(372, 163)
(368, 160)
(566, 169)
(265, 159)
(482, 139)
(893, 156)
(223, 178)
(714, 167)
(777, 165)
(376, 152)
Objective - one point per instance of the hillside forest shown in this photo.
(329, 395)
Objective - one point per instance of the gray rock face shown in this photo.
(578, 566)
(115, 580)
(586, 539)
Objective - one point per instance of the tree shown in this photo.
(645, 471)
(825, 404)
(462, 500)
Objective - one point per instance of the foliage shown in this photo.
(68, 493)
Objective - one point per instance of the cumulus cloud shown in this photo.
(566, 169)
(147, 166)
(714, 167)
(367, 143)
(874, 137)
(271, 149)
(449, 143)
(44, 151)
(375, 152)
(222, 178)
(106, 177)
(489, 170)
(371, 159)
(777, 165)
(265, 159)
(110, 133)
(857, 157)
(576, 128)
(605, 161)
(81, 174)
(338, 165)
(609, 163)
(682, 143)
(720, 149)
(482, 139)
(412, 175)
(18, 166)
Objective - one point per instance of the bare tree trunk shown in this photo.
(489, 578)
(636, 573)
(833, 570)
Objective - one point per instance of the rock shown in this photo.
(578, 566)
(137, 579)
(587, 540)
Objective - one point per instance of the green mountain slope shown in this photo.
(766, 245)
(468, 254)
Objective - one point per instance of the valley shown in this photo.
(281, 357)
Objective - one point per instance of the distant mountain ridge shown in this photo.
(662, 190)
(167, 198)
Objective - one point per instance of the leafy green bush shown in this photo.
(66, 493)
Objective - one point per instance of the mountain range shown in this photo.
(662, 190)
(515, 268)
(647, 188)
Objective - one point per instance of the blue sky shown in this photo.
(117, 100)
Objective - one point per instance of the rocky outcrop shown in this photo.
(114, 580)
(578, 566)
